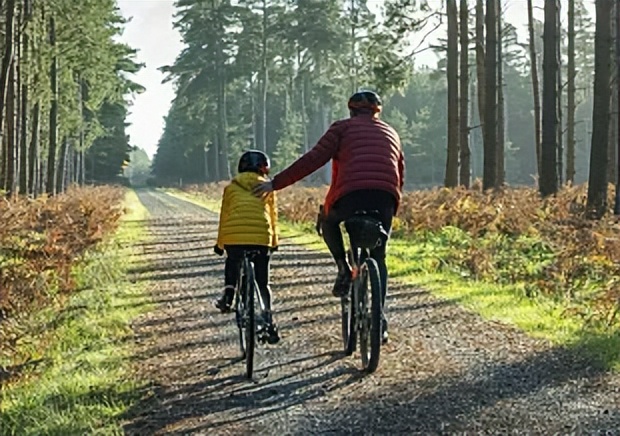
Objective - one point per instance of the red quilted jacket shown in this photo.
(366, 154)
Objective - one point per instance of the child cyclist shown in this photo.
(248, 223)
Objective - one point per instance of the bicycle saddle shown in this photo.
(366, 230)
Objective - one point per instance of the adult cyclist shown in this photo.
(367, 174)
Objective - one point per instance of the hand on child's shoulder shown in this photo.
(263, 188)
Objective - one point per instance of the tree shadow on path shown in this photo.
(216, 402)
(534, 395)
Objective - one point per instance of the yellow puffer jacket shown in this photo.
(246, 219)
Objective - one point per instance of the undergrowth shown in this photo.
(41, 241)
(545, 248)
(68, 372)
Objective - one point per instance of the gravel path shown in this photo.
(445, 371)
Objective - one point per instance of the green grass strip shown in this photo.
(418, 262)
(80, 380)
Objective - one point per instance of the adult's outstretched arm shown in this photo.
(311, 161)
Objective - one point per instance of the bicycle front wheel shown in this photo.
(240, 319)
(240, 309)
(250, 321)
(370, 310)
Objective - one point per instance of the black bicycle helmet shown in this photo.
(365, 101)
(254, 161)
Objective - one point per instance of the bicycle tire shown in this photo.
(370, 342)
(240, 310)
(250, 326)
(241, 328)
(347, 314)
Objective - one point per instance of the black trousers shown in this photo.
(345, 208)
(261, 268)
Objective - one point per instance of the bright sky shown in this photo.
(151, 32)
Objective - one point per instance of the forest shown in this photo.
(64, 88)
(65, 93)
(504, 256)
(273, 74)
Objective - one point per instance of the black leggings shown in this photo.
(345, 208)
(261, 268)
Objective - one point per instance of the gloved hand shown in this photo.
(217, 250)
(318, 228)
(319, 221)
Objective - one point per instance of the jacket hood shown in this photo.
(248, 180)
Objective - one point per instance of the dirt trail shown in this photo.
(445, 370)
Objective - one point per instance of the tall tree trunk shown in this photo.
(82, 90)
(474, 157)
(12, 156)
(549, 178)
(452, 161)
(304, 116)
(70, 172)
(327, 168)
(7, 59)
(53, 122)
(34, 175)
(87, 117)
(214, 159)
(560, 125)
(61, 172)
(24, 158)
(501, 127)
(6, 104)
(205, 166)
(572, 107)
(301, 85)
(353, 53)
(307, 114)
(597, 183)
(262, 145)
(613, 101)
(3, 161)
(617, 114)
(43, 173)
(535, 84)
(23, 146)
(465, 153)
(480, 62)
(76, 166)
(489, 176)
(222, 126)
(82, 167)
(17, 99)
(253, 128)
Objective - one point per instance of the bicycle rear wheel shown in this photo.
(250, 321)
(348, 314)
(370, 310)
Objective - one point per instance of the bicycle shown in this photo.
(246, 296)
(358, 319)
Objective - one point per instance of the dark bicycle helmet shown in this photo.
(254, 161)
(365, 101)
